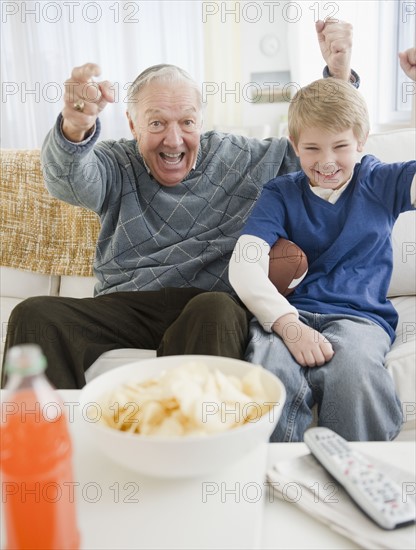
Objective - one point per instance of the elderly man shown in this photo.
(171, 204)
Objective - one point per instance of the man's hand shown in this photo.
(308, 346)
(91, 97)
(408, 62)
(335, 41)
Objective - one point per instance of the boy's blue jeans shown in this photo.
(354, 392)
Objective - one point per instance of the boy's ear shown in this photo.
(361, 144)
(294, 145)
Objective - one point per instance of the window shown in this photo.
(396, 91)
(406, 15)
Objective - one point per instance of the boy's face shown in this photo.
(327, 158)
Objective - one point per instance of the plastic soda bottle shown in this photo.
(35, 458)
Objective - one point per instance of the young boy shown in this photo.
(327, 341)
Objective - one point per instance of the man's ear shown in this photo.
(131, 125)
(294, 145)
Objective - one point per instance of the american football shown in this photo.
(288, 265)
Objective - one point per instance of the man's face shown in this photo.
(327, 158)
(167, 125)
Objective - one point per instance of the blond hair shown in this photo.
(330, 104)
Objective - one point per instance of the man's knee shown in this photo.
(216, 316)
(36, 306)
(215, 306)
(28, 310)
(28, 321)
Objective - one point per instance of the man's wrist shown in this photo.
(76, 137)
(354, 77)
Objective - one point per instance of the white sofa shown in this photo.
(22, 277)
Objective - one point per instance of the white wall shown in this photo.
(263, 49)
(233, 38)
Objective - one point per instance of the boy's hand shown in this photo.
(335, 41)
(308, 346)
(84, 100)
(408, 62)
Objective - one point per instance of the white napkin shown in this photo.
(304, 482)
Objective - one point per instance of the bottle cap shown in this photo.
(26, 359)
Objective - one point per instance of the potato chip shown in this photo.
(187, 400)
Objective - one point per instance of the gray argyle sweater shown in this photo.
(153, 236)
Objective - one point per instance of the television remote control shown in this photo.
(373, 491)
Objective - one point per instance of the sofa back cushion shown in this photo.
(39, 233)
(16, 283)
(398, 146)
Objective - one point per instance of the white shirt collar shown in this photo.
(330, 195)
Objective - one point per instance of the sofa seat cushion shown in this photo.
(116, 358)
(7, 304)
(17, 285)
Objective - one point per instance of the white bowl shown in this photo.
(179, 456)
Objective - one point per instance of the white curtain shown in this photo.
(43, 40)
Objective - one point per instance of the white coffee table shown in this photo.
(286, 526)
(119, 509)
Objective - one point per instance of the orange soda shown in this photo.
(38, 493)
